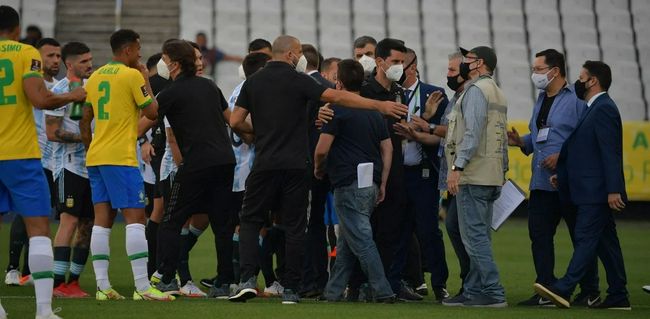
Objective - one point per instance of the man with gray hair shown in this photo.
(276, 98)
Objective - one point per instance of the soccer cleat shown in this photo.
(26, 280)
(75, 291)
(191, 290)
(155, 278)
(152, 294)
(208, 282)
(646, 288)
(61, 291)
(220, 292)
(440, 293)
(12, 278)
(275, 290)
(170, 288)
(423, 290)
(108, 294)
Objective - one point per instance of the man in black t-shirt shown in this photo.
(197, 112)
(276, 97)
(351, 139)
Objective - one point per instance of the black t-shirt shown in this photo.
(276, 97)
(312, 113)
(158, 83)
(358, 134)
(542, 117)
(194, 108)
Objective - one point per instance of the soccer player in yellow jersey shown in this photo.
(23, 188)
(118, 93)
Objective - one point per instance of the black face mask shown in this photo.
(581, 88)
(465, 70)
(403, 78)
(453, 82)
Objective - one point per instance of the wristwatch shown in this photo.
(456, 168)
(432, 127)
(142, 140)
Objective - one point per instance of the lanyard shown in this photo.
(417, 89)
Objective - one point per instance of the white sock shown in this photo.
(41, 263)
(197, 232)
(136, 249)
(101, 251)
(2, 311)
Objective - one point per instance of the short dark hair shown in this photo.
(194, 45)
(259, 44)
(253, 62)
(182, 52)
(201, 34)
(9, 18)
(601, 71)
(553, 59)
(153, 60)
(122, 38)
(351, 75)
(327, 62)
(363, 40)
(47, 41)
(386, 45)
(311, 54)
(33, 28)
(73, 49)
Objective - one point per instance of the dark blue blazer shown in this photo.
(426, 90)
(590, 165)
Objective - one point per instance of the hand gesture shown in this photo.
(514, 139)
(550, 162)
(325, 114)
(393, 109)
(433, 102)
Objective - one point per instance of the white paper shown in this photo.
(510, 198)
(364, 174)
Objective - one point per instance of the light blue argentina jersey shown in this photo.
(43, 143)
(145, 169)
(244, 153)
(167, 165)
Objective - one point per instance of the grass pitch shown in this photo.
(511, 246)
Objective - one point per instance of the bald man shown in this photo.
(276, 98)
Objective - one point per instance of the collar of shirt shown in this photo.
(278, 64)
(593, 98)
(312, 72)
(378, 88)
(412, 87)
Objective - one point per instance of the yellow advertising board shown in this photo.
(636, 159)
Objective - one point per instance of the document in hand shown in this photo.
(364, 175)
(510, 198)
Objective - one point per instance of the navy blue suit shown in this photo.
(590, 167)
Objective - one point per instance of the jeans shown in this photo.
(474, 204)
(354, 207)
(453, 231)
(544, 213)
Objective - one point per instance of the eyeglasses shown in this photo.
(538, 69)
(472, 58)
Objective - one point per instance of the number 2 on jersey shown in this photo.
(104, 87)
(7, 78)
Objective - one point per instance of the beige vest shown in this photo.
(486, 167)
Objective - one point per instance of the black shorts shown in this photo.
(148, 199)
(74, 196)
(156, 161)
(52, 187)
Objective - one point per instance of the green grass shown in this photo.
(511, 245)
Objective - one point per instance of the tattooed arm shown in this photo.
(56, 133)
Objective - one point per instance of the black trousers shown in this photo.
(285, 192)
(315, 274)
(205, 190)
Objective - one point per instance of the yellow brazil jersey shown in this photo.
(116, 93)
(18, 139)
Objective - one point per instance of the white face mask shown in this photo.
(394, 73)
(541, 81)
(163, 71)
(241, 73)
(301, 66)
(368, 64)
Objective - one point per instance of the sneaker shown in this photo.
(275, 290)
(153, 294)
(108, 294)
(26, 280)
(191, 290)
(422, 290)
(387, 300)
(75, 291)
(646, 288)
(61, 291)
(535, 301)
(208, 282)
(612, 305)
(289, 297)
(170, 288)
(586, 299)
(219, 292)
(407, 294)
(311, 294)
(12, 278)
(52, 315)
(485, 301)
(155, 278)
(456, 301)
(440, 293)
(554, 296)
(245, 290)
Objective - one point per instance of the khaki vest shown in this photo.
(486, 167)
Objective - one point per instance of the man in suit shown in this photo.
(590, 176)
(315, 274)
(421, 181)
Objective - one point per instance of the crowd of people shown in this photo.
(300, 137)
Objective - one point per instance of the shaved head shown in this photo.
(284, 44)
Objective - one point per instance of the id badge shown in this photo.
(542, 135)
(425, 173)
